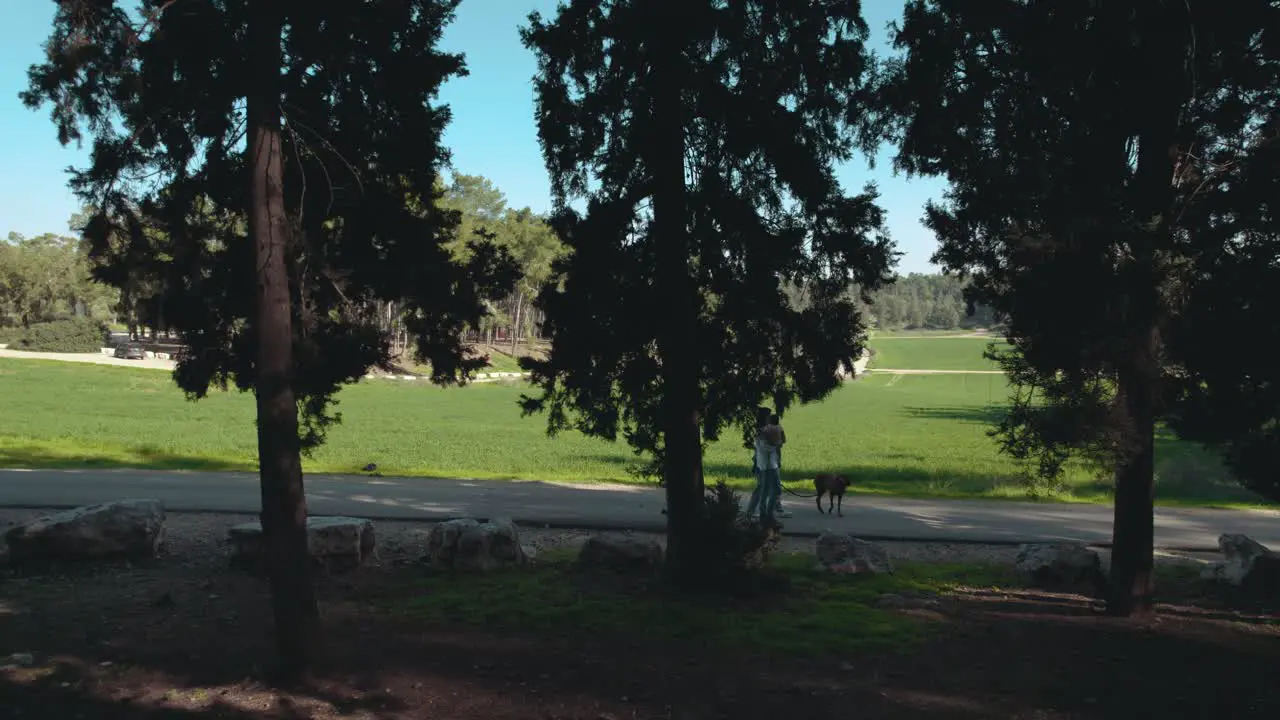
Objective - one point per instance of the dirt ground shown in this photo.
(186, 637)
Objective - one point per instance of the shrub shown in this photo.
(73, 335)
(733, 548)
(9, 335)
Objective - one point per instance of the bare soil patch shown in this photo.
(187, 637)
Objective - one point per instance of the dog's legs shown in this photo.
(819, 501)
(840, 506)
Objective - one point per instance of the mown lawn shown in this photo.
(897, 435)
(920, 332)
(930, 353)
(500, 360)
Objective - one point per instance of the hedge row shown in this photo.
(73, 335)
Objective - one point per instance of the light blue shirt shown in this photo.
(766, 454)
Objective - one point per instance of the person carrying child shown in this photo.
(768, 441)
(782, 440)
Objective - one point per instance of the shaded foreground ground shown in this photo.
(186, 638)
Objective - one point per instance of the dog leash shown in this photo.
(799, 495)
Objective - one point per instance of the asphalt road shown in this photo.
(617, 506)
(91, 358)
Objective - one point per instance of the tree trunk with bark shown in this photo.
(515, 325)
(284, 506)
(677, 338)
(1132, 585)
(1132, 582)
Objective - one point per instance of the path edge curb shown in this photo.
(656, 527)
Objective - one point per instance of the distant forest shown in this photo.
(917, 301)
(925, 301)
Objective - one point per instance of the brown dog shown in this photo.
(833, 486)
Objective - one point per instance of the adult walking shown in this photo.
(768, 441)
(782, 440)
(762, 419)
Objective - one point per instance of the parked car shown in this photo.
(130, 351)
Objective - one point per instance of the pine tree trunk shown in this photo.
(1138, 376)
(1132, 583)
(515, 325)
(677, 338)
(284, 506)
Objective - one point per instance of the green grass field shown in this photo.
(920, 332)
(500, 360)
(502, 363)
(915, 435)
(930, 353)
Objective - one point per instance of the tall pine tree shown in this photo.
(286, 153)
(1227, 393)
(1079, 139)
(691, 146)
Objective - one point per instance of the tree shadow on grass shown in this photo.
(990, 654)
(988, 415)
(886, 480)
(908, 479)
(33, 457)
(1187, 474)
(1193, 473)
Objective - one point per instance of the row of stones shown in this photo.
(135, 528)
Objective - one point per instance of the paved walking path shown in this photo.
(159, 364)
(916, 371)
(622, 506)
(93, 358)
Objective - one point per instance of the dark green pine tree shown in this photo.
(691, 146)
(275, 162)
(1079, 139)
(1227, 394)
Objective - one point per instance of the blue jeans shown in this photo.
(767, 495)
(771, 496)
(755, 492)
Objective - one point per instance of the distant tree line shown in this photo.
(525, 235)
(47, 278)
(914, 301)
(920, 301)
(51, 277)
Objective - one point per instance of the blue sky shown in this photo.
(492, 133)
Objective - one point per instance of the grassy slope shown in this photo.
(930, 353)
(499, 360)
(902, 435)
(920, 332)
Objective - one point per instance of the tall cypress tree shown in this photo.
(1078, 139)
(286, 153)
(698, 139)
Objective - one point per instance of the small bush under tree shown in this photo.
(732, 549)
